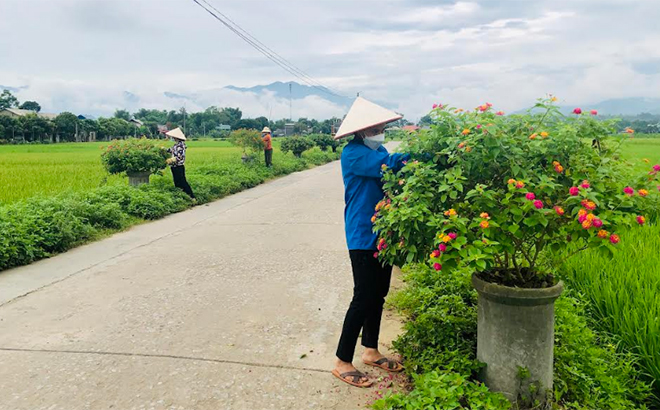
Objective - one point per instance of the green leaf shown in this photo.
(513, 228)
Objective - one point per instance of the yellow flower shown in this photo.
(451, 212)
(553, 99)
(446, 239)
(468, 149)
(646, 160)
(544, 134)
(484, 224)
(465, 131)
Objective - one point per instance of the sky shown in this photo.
(95, 56)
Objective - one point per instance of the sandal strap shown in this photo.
(382, 360)
(357, 375)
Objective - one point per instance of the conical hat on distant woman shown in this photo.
(176, 133)
(365, 114)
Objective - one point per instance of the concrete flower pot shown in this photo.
(138, 178)
(515, 338)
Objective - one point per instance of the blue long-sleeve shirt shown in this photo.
(363, 188)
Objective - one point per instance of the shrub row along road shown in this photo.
(233, 305)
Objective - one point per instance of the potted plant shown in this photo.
(138, 158)
(496, 193)
(249, 140)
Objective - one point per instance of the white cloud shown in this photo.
(408, 53)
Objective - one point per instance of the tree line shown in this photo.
(68, 127)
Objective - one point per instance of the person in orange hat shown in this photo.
(178, 160)
(362, 162)
(268, 146)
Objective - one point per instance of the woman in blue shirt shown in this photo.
(362, 162)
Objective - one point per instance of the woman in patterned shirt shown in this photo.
(178, 160)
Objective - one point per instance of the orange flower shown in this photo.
(468, 149)
(591, 217)
(533, 136)
(603, 234)
(643, 192)
(587, 224)
(484, 224)
(373, 219)
(511, 181)
(485, 215)
(544, 134)
(553, 99)
(451, 212)
(582, 212)
(461, 145)
(465, 131)
(555, 163)
(446, 239)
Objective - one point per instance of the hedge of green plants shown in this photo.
(37, 228)
(439, 347)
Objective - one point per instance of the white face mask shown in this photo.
(374, 142)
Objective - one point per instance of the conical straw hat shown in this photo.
(176, 133)
(266, 130)
(365, 114)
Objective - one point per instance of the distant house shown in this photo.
(288, 129)
(410, 128)
(16, 113)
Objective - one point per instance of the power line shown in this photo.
(271, 55)
(270, 51)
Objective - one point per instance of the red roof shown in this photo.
(410, 128)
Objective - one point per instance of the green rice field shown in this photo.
(44, 170)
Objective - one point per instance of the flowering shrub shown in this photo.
(249, 140)
(491, 192)
(134, 155)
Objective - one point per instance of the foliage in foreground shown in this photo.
(40, 227)
(439, 346)
(492, 192)
(623, 293)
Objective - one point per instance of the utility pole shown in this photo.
(290, 106)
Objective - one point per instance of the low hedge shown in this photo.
(40, 227)
(440, 340)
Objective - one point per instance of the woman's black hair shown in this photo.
(359, 135)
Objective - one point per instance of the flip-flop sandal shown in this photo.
(356, 376)
(386, 364)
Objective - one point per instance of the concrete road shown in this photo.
(234, 305)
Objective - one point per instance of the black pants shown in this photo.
(371, 284)
(179, 175)
(269, 157)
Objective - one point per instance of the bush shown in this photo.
(491, 192)
(439, 346)
(37, 228)
(297, 145)
(325, 141)
(317, 157)
(135, 155)
(249, 140)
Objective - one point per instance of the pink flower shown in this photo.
(452, 235)
(530, 196)
(442, 247)
(376, 255)
(478, 126)
(641, 220)
(437, 266)
(577, 111)
(435, 254)
(489, 104)
(538, 204)
(614, 239)
(435, 106)
(597, 223)
(582, 218)
(585, 184)
(574, 191)
(656, 168)
(628, 191)
(594, 112)
(499, 113)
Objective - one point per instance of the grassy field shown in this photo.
(44, 170)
